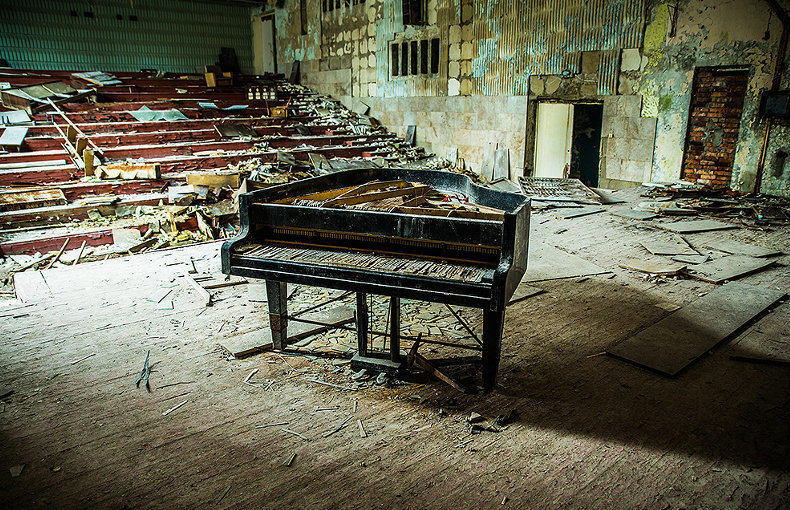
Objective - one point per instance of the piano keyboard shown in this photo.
(373, 262)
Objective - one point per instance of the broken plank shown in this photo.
(214, 179)
(677, 340)
(426, 365)
(633, 215)
(691, 259)
(549, 263)
(129, 171)
(676, 246)
(575, 213)
(652, 267)
(31, 285)
(335, 316)
(235, 130)
(220, 283)
(728, 268)
(686, 227)
(248, 343)
(59, 253)
(14, 200)
(203, 293)
(737, 248)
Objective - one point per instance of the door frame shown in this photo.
(257, 43)
(530, 145)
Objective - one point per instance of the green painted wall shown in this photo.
(169, 35)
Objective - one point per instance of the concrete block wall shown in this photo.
(475, 125)
(627, 142)
(335, 83)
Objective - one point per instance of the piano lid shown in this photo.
(399, 190)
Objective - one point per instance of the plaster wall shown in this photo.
(636, 56)
(475, 125)
(711, 34)
(488, 51)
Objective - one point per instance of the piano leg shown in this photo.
(395, 329)
(277, 296)
(492, 339)
(362, 323)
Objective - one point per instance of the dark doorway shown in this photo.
(714, 122)
(586, 143)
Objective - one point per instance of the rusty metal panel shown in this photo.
(530, 37)
(608, 72)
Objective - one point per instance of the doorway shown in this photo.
(568, 141)
(264, 49)
(714, 122)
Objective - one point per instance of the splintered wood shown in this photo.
(400, 197)
(387, 263)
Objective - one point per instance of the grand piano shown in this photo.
(404, 233)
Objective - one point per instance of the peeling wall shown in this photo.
(640, 53)
(710, 34)
(487, 49)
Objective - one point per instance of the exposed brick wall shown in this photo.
(714, 120)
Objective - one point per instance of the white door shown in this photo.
(554, 130)
(263, 45)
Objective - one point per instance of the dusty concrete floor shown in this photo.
(592, 432)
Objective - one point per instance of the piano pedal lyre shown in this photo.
(393, 362)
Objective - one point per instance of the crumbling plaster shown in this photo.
(641, 48)
(728, 33)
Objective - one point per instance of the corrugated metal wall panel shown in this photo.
(533, 37)
(169, 35)
(608, 71)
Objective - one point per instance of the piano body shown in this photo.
(318, 232)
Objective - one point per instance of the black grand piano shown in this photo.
(403, 233)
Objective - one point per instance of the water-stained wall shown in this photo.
(636, 57)
(682, 36)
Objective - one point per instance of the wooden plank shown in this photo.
(575, 213)
(203, 293)
(249, 343)
(336, 316)
(426, 365)
(686, 227)
(129, 171)
(502, 164)
(652, 267)
(728, 268)
(767, 341)
(14, 200)
(736, 248)
(677, 246)
(691, 259)
(550, 263)
(31, 286)
(214, 180)
(677, 340)
(633, 215)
